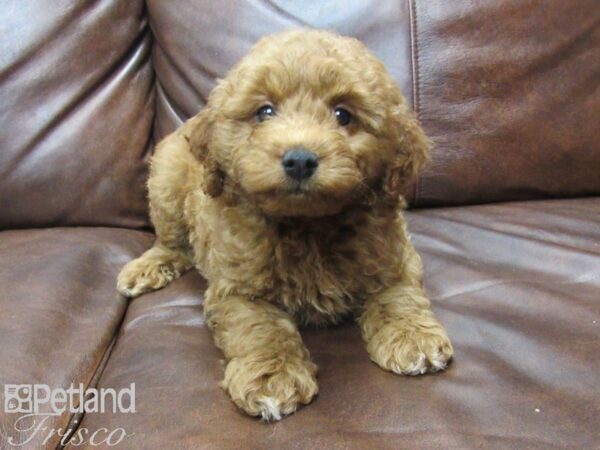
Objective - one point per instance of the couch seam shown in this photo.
(153, 43)
(414, 59)
(93, 380)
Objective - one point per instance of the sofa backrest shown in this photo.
(508, 91)
(76, 110)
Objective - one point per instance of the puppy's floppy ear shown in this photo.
(411, 152)
(199, 139)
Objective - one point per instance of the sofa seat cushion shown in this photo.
(59, 312)
(518, 287)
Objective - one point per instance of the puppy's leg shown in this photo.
(401, 331)
(269, 372)
(168, 188)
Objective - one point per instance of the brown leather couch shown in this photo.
(507, 218)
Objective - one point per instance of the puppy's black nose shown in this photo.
(300, 163)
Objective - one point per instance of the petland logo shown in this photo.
(33, 398)
(35, 404)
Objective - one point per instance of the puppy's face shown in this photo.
(308, 123)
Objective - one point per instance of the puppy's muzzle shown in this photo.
(300, 164)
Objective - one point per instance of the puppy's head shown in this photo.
(306, 124)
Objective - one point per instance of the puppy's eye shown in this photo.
(264, 112)
(343, 116)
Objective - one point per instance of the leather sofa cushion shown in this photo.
(77, 94)
(517, 287)
(59, 310)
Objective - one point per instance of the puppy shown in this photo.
(285, 193)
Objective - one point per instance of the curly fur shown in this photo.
(276, 256)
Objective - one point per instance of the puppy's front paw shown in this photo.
(407, 349)
(270, 388)
(138, 277)
(145, 274)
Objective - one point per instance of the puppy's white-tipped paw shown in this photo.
(269, 389)
(417, 367)
(269, 409)
(438, 362)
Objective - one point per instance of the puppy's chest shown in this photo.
(318, 277)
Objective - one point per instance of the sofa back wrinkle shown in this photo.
(77, 96)
(508, 91)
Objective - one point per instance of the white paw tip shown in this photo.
(269, 410)
(418, 367)
(438, 362)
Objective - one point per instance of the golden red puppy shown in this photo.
(285, 192)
